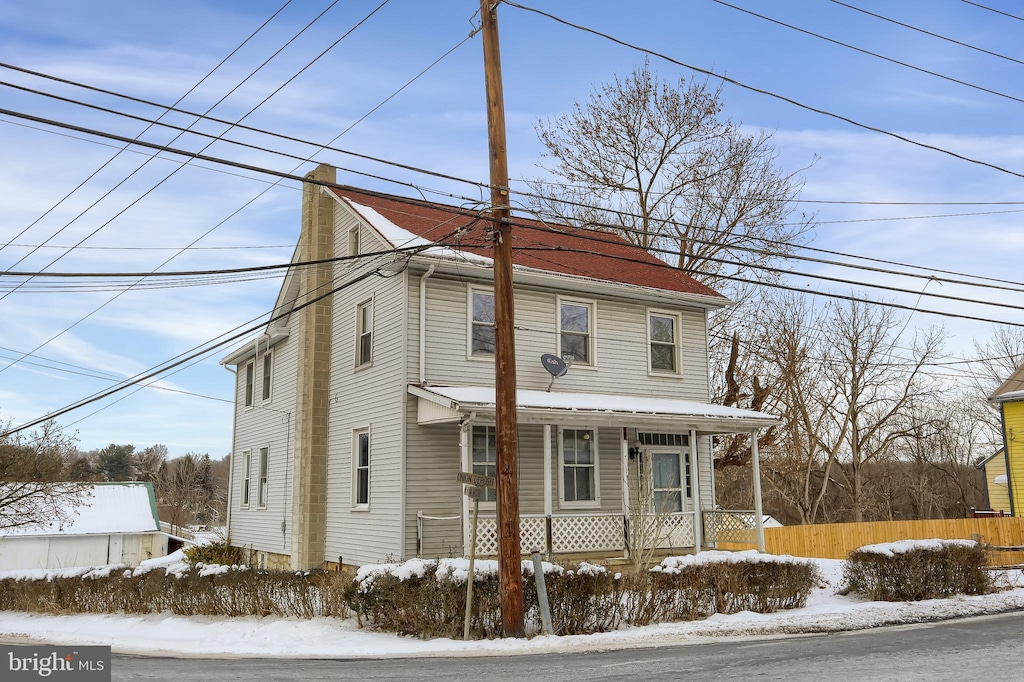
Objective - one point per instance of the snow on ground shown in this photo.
(167, 634)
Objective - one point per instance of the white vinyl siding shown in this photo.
(262, 426)
(619, 335)
(375, 394)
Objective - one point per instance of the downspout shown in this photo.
(231, 469)
(423, 323)
(758, 511)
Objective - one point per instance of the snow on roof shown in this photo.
(108, 508)
(1009, 395)
(482, 397)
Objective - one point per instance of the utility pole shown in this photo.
(510, 574)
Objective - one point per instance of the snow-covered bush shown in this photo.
(912, 570)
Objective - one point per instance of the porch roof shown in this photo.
(439, 404)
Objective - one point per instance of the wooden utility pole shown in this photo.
(510, 574)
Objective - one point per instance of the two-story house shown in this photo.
(372, 387)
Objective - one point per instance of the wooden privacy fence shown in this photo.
(837, 540)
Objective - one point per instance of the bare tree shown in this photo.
(34, 486)
(659, 162)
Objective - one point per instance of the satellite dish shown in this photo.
(555, 366)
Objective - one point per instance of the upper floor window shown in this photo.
(663, 342)
(364, 333)
(353, 241)
(361, 468)
(485, 457)
(578, 454)
(250, 377)
(268, 373)
(261, 500)
(576, 331)
(246, 473)
(482, 323)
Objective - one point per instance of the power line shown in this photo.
(783, 98)
(257, 106)
(929, 33)
(973, 86)
(180, 99)
(208, 347)
(990, 9)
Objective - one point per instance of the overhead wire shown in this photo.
(233, 335)
(929, 33)
(179, 101)
(762, 91)
(973, 86)
(254, 108)
(992, 9)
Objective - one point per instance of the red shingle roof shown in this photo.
(555, 248)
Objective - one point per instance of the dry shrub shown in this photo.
(585, 599)
(924, 570)
(234, 593)
(220, 552)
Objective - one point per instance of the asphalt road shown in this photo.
(987, 647)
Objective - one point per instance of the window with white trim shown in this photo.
(268, 373)
(663, 342)
(250, 377)
(261, 500)
(361, 468)
(481, 341)
(364, 333)
(353, 241)
(576, 330)
(670, 480)
(246, 473)
(485, 457)
(578, 486)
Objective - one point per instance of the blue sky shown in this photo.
(157, 51)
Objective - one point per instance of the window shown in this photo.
(268, 373)
(353, 241)
(246, 469)
(668, 482)
(485, 457)
(361, 468)
(662, 337)
(364, 333)
(264, 470)
(575, 331)
(579, 468)
(482, 333)
(250, 371)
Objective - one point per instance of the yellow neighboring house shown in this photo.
(1010, 399)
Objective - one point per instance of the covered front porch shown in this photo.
(600, 475)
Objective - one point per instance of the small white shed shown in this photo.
(117, 524)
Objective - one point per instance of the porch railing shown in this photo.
(579, 533)
(722, 525)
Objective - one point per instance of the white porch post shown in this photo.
(758, 514)
(467, 465)
(624, 483)
(547, 485)
(698, 520)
